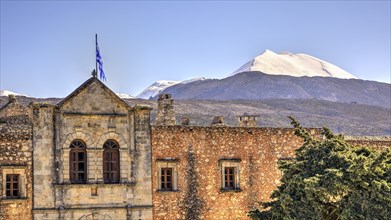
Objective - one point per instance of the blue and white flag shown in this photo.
(100, 63)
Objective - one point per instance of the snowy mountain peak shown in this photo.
(161, 85)
(7, 93)
(124, 96)
(297, 65)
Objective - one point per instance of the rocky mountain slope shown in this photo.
(347, 118)
(260, 86)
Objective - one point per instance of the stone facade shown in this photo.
(254, 151)
(92, 114)
(166, 171)
(15, 158)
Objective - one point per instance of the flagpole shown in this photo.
(96, 49)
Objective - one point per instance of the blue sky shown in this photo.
(48, 47)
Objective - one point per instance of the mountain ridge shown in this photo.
(260, 86)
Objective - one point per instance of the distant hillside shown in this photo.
(347, 118)
(260, 86)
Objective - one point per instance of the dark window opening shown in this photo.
(166, 179)
(229, 178)
(111, 162)
(78, 162)
(12, 189)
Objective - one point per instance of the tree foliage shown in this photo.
(329, 179)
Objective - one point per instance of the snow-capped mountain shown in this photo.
(296, 65)
(124, 96)
(161, 85)
(193, 80)
(6, 93)
(156, 88)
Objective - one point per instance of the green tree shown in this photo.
(329, 179)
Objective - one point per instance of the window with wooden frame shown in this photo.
(12, 189)
(230, 174)
(167, 174)
(111, 162)
(166, 179)
(13, 185)
(78, 162)
(229, 177)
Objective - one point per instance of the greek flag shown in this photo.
(100, 63)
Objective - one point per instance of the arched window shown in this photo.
(78, 162)
(111, 161)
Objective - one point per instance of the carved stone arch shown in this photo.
(96, 216)
(112, 136)
(78, 135)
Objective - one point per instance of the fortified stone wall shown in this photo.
(15, 158)
(198, 155)
(378, 143)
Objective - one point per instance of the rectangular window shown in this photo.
(230, 174)
(78, 166)
(229, 177)
(12, 189)
(167, 174)
(111, 166)
(166, 179)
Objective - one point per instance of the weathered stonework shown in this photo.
(92, 114)
(13, 108)
(165, 114)
(258, 149)
(379, 143)
(15, 158)
(247, 120)
(218, 121)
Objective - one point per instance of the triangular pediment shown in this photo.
(93, 97)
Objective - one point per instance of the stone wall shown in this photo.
(12, 108)
(379, 143)
(254, 150)
(15, 158)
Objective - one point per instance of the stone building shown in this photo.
(15, 161)
(92, 156)
(91, 159)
